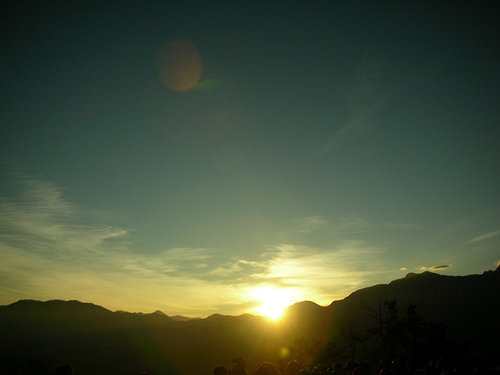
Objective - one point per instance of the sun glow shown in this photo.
(272, 300)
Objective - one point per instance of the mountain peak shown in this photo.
(302, 308)
(56, 304)
(304, 304)
(411, 274)
(421, 275)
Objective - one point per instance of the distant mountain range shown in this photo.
(180, 318)
(36, 337)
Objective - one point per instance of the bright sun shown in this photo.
(273, 301)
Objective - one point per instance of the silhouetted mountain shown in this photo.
(306, 319)
(75, 332)
(467, 305)
(95, 340)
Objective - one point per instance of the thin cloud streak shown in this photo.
(486, 236)
(360, 224)
(435, 268)
(310, 224)
(350, 224)
(366, 101)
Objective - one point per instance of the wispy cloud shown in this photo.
(434, 268)
(403, 269)
(367, 99)
(326, 274)
(347, 263)
(43, 221)
(310, 224)
(486, 236)
(349, 224)
(51, 249)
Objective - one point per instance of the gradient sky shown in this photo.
(311, 148)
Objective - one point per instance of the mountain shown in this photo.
(468, 305)
(180, 318)
(38, 336)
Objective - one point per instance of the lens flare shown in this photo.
(208, 85)
(179, 65)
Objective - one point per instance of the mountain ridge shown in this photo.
(420, 276)
(96, 340)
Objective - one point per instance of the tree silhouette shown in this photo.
(331, 353)
(388, 328)
(352, 337)
(408, 335)
(304, 350)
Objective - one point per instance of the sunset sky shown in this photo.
(193, 157)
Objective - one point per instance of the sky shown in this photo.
(202, 157)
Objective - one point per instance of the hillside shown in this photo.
(467, 305)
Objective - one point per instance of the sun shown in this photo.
(273, 301)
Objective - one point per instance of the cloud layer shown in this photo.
(51, 251)
(50, 248)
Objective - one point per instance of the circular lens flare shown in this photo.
(179, 65)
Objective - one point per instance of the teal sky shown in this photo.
(324, 148)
